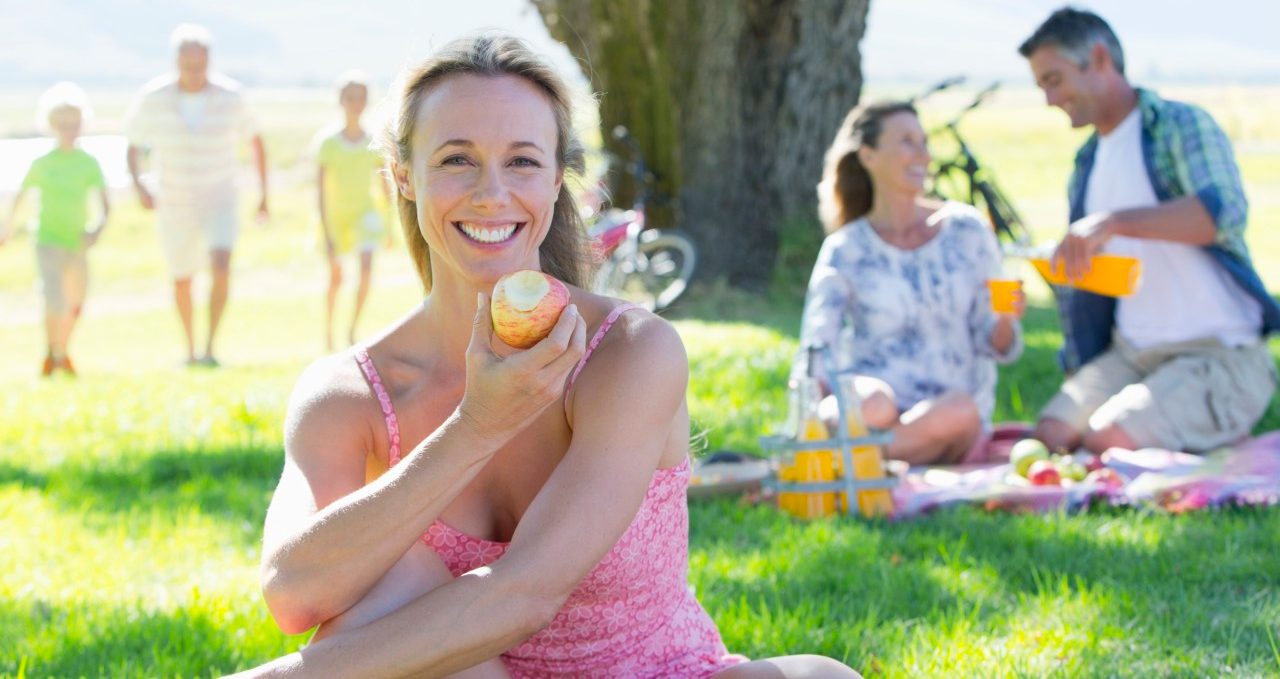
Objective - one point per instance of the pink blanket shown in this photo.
(1245, 474)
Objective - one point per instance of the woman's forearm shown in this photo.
(1003, 335)
(471, 619)
(327, 564)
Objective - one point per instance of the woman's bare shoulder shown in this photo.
(330, 396)
(639, 338)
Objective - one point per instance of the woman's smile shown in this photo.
(489, 233)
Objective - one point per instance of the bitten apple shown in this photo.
(526, 305)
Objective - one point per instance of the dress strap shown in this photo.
(595, 339)
(384, 400)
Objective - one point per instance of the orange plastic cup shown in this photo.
(1003, 294)
(1110, 275)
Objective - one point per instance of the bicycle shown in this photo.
(645, 266)
(961, 177)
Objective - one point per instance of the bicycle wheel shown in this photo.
(658, 275)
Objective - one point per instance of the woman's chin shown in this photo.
(912, 189)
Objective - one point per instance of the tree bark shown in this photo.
(733, 103)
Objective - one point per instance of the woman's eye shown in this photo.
(525, 162)
(454, 160)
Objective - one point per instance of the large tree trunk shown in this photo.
(733, 103)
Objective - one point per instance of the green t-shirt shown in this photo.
(349, 171)
(64, 179)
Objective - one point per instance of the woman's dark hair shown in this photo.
(844, 194)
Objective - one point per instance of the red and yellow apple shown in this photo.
(1106, 477)
(525, 307)
(1044, 473)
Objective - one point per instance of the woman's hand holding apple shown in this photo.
(505, 393)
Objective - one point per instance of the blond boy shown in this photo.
(65, 178)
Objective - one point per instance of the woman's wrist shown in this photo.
(475, 434)
(1003, 333)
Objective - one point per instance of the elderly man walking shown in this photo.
(190, 122)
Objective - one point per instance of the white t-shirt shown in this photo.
(1184, 295)
(191, 107)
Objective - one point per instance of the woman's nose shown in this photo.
(490, 188)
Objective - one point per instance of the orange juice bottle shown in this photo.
(1111, 275)
(867, 460)
(808, 465)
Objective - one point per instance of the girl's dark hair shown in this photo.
(844, 194)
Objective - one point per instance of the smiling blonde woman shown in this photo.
(452, 505)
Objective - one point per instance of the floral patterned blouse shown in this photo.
(918, 319)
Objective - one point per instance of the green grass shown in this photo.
(132, 498)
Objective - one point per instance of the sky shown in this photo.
(1164, 40)
(104, 43)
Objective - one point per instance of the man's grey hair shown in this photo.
(190, 34)
(1074, 32)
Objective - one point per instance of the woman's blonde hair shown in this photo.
(564, 252)
(845, 192)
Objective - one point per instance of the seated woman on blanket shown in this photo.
(452, 506)
(898, 294)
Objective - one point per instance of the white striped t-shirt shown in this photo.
(191, 163)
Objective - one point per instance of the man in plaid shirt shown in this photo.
(1182, 363)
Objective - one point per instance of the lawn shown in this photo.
(132, 498)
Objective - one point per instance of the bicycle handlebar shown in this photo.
(944, 85)
(978, 99)
(984, 94)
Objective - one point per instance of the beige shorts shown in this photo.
(64, 277)
(188, 233)
(1192, 396)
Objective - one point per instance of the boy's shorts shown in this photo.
(64, 277)
(1192, 396)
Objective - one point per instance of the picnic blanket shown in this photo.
(1247, 473)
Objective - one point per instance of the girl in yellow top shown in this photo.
(65, 177)
(349, 220)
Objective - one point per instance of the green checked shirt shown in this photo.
(1185, 154)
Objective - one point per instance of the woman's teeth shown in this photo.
(487, 235)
